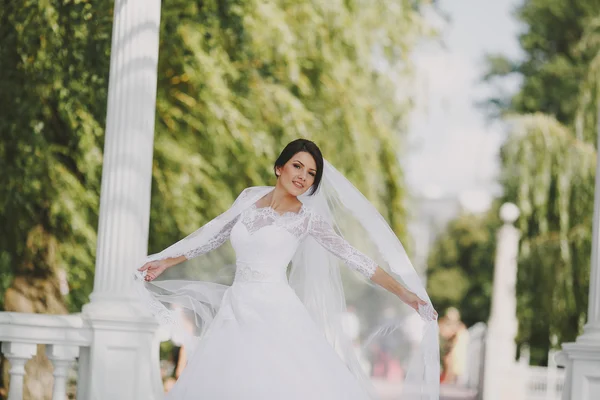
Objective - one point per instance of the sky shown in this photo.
(453, 146)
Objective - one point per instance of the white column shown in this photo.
(502, 379)
(17, 355)
(129, 138)
(122, 361)
(582, 358)
(591, 331)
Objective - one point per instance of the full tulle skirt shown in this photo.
(263, 345)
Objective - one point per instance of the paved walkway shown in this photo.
(391, 391)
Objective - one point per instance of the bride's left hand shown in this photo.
(413, 300)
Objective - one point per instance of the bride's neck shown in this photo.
(281, 199)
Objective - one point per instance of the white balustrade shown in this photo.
(63, 336)
(542, 383)
(472, 376)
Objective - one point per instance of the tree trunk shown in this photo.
(35, 289)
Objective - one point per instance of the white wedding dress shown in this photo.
(262, 343)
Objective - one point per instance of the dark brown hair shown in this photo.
(297, 146)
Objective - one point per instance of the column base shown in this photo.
(582, 362)
(503, 375)
(591, 334)
(122, 362)
(113, 307)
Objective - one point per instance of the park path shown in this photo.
(391, 391)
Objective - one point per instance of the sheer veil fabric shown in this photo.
(189, 306)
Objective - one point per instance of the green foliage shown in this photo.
(461, 266)
(586, 120)
(552, 66)
(54, 58)
(549, 174)
(242, 78)
(237, 80)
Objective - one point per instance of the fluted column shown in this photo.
(591, 332)
(127, 164)
(122, 362)
(582, 358)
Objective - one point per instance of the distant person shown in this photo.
(455, 341)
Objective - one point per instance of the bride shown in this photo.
(277, 334)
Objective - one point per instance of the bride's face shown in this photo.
(298, 174)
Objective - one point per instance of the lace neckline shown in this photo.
(277, 214)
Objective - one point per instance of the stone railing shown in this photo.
(545, 383)
(542, 383)
(66, 337)
(472, 376)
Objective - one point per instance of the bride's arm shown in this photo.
(155, 268)
(327, 237)
(388, 282)
(215, 242)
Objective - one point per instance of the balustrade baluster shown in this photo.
(17, 355)
(62, 357)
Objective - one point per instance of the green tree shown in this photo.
(54, 58)
(552, 65)
(240, 79)
(586, 119)
(549, 174)
(461, 266)
(548, 164)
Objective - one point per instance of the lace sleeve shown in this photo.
(223, 234)
(326, 236)
(214, 242)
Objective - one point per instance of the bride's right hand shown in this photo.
(154, 269)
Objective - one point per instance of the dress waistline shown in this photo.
(259, 272)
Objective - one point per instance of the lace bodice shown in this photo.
(265, 242)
